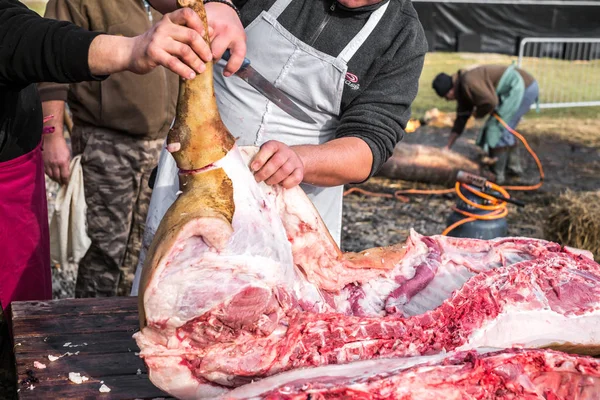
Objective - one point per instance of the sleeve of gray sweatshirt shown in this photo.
(388, 64)
(379, 114)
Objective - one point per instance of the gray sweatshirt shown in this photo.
(376, 107)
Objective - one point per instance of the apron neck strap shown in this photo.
(352, 47)
(278, 7)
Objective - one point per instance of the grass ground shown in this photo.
(578, 124)
(555, 77)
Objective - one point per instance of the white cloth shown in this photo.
(68, 234)
(164, 194)
(312, 79)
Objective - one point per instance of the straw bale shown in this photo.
(574, 220)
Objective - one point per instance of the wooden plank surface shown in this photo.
(92, 337)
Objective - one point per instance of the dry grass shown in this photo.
(573, 130)
(574, 220)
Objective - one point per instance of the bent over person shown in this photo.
(486, 89)
(119, 128)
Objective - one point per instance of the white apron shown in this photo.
(312, 79)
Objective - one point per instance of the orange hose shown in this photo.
(456, 225)
(374, 194)
(493, 207)
(399, 193)
(425, 191)
(496, 214)
(403, 199)
(497, 208)
(535, 158)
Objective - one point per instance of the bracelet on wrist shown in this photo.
(227, 3)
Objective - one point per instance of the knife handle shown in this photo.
(227, 54)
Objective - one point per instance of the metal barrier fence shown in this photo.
(567, 70)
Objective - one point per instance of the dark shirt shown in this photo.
(476, 92)
(33, 49)
(375, 108)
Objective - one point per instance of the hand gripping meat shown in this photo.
(197, 140)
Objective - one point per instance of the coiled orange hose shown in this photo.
(496, 208)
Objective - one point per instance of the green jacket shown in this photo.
(510, 91)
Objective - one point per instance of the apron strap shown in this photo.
(364, 33)
(278, 7)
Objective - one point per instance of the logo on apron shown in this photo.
(352, 81)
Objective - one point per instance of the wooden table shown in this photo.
(91, 337)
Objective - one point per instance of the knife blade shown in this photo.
(267, 89)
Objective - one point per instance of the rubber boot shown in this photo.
(499, 168)
(514, 167)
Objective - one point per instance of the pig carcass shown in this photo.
(243, 280)
(472, 375)
(229, 318)
(428, 164)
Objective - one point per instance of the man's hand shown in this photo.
(225, 28)
(175, 42)
(57, 157)
(227, 32)
(333, 163)
(56, 154)
(276, 163)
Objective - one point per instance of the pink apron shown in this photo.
(24, 238)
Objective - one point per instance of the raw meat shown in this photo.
(508, 374)
(243, 281)
(248, 310)
(550, 301)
